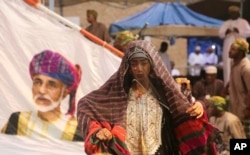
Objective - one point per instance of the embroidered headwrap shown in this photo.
(108, 104)
(241, 44)
(125, 37)
(218, 101)
(55, 65)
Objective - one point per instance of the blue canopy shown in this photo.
(169, 13)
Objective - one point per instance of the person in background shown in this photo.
(123, 38)
(141, 110)
(164, 55)
(208, 86)
(239, 84)
(174, 71)
(54, 77)
(210, 57)
(185, 87)
(96, 28)
(229, 30)
(195, 62)
(229, 124)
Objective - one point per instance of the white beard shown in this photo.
(47, 108)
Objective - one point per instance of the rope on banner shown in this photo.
(38, 5)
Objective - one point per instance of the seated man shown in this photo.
(209, 86)
(229, 124)
(195, 62)
(54, 77)
(210, 57)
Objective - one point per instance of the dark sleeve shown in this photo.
(220, 87)
(12, 124)
(78, 136)
(197, 90)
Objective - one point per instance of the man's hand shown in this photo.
(104, 134)
(236, 30)
(196, 110)
(228, 31)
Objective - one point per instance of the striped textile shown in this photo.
(116, 144)
(109, 102)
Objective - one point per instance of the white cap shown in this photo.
(197, 48)
(211, 70)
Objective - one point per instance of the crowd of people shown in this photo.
(143, 80)
(143, 109)
(198, 61)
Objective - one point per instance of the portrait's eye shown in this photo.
(37, 82)
(52, 84)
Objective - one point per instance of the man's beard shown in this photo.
(46, 108)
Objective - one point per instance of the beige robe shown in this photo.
(244, 31)
(231, 127)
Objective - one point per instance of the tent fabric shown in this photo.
(25, 31)
(169, 13)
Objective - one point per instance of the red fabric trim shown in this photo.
(117, 132)
(197, 136)
(189, 127)
(90, 148)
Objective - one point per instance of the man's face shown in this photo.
(211, 110)
(209, 50)
(140, 68)
(233, 52)
(47, 92)
(234, 15)
(117, 44)
(90, 18)
(210, 78)
(197, 51)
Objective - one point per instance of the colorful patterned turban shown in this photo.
(125, 37)
(54, 65)
(218, 101)
(92, 12)
(241, 44)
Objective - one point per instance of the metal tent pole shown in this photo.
(241, 7)
(52, 5)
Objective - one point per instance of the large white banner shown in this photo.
(25, 31)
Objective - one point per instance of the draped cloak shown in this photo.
(109, 103)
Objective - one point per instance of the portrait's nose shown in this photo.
(42, 89)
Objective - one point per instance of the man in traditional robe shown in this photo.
(239, 84)
(231, 29)
(98, 29)
(228, 123)
(54, 77)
